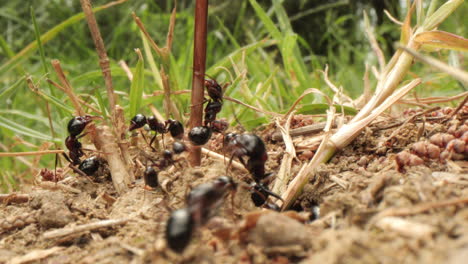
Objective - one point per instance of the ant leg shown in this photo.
(265, 189)
(268, 178)
(151, 142)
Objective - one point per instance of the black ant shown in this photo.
(211, 110)
(200, 135)
(174, 127)
(178, 147)
(90, 165)
(150, 177)
(202, 202)
(253, 147)
(215, 91)
(75, 127)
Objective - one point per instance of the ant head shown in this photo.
(229, 137)
(137, 121)
(77, 124)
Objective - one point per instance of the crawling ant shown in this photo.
(215, 91)
(253, 147)
(179, 229)
(174, 127)
(75, 127)
(259, 195)
(211, 110)
(202, 201)
(137, 121)
(150, 177)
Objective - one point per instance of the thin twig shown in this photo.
(31, 153)
(82, 228)
(67, 86)
(99, 43)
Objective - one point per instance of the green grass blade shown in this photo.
(136, 89)
(23, 130)
(27, 51)
(11, 87)
(267, 22)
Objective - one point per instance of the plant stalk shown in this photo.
(199, 61)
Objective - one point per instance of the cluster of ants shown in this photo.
(199, 135)
(203, 200)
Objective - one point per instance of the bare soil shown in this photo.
(371, 210)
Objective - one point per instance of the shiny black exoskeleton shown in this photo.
(251, 146)
(179, 229)
(211, 110)
(156, 126)
(178, 147)
(175, 128)
(77, 124)
(200, 135)
(202, 203)
(150, 177)
(137, 121)
(90, 165)
(75, 127)
(215, 91)
(259, 195)
(205, 198)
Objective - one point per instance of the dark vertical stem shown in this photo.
(199, 61)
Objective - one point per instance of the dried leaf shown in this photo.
(442, 40)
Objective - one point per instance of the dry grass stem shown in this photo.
(126, 69)
(373, 42)
(302, 131)
(68, 89)
(433, 100)
(457, 73)
(35, 255)
(83, 228)
(101, 50)
(284, 173)
(393, 19)
(81, 101)
(341, 98)
(252, 107)
(222, 158)
(106, 142)
(31, 153)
